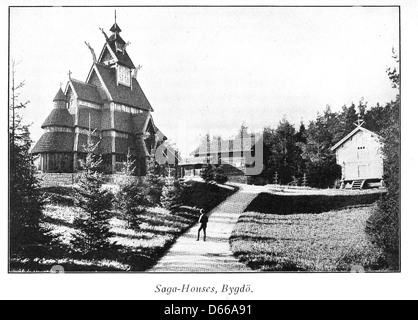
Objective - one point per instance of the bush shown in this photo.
(211, 173)
(208, 172)
(220, 175)
(383, 225)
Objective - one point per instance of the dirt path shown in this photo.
(214, 255)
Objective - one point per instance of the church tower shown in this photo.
(111, 104)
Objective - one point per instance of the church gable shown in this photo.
(106, 56)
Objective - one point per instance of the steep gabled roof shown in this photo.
(54, 142)
(86, 91)
(352, 133)
(59, 118)
(122, 57)
(134, 97)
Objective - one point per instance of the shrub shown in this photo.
(208, 172)
(211, 173)
(220, 175)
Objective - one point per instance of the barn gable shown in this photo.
(359, 155)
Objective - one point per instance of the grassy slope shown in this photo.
(271, 236)
(141, 248)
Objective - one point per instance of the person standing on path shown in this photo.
(203, 220)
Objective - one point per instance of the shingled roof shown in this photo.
(115, 28)
(59, 118)
(132, 97)
(234, 145)
(60, 96)
(54, 142)
(86, 91)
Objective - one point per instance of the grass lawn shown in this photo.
(141, 247)
(333, 240)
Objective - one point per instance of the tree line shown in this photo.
(302, 155)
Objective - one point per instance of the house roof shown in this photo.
(232, 145)
(54, 142)
(59, 118)
(86, 91)
(119, 93)
(352, 133)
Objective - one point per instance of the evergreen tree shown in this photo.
(171, 193)
(93, 228)
(131, 197)
(29, 238)
(321, 135)
(155, 181)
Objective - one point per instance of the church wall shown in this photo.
(95, 118)
(123, 121)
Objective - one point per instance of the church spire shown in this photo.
(115, 28)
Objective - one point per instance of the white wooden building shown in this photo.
(360, 156)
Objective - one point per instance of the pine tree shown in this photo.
(93, 236)
(171, 194)
(154, 181)
(131, 197)
(29, 238)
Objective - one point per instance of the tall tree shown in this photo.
(321, 134)
(384, 223)
(93, 236)
(29, 238)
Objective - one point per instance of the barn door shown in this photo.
(363, 171)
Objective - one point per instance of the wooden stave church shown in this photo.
(110, 103)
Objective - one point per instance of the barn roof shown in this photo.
(352, 133)
(59, 118)
(54, 142)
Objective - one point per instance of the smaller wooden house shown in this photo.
(360, 156)
(231, 154)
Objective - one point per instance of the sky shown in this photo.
(208, 70)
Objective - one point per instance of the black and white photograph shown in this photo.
(204, 139)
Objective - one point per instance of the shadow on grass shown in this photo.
(291, 204)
